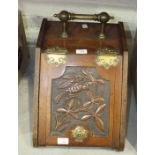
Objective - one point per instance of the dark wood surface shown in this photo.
(124, 87)
(49, 36)
(36, 97)
(78, 37)
(49, 72)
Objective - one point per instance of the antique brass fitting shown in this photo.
(56, 56)
(79, 133)
(65, 16)
(107, 57)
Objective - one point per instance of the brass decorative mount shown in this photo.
(56, 56)
(65, 16)
(79, 134)
(107, 57)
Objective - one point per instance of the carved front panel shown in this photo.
(80, 103)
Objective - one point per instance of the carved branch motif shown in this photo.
(71, 85)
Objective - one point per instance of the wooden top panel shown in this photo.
(78, 37)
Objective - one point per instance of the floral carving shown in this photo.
(71, 86)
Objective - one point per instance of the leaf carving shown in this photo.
(59, 123)
(56, 122)
(88, 74)
(73, 115)
(58, 97)
(64, 84)
(99, 100)
(68, 76)
(89, 94)
(70, 104)
(100, 109)
(62, 110)
(86, 117)
(86, 104)
(100, 81)
(99, 123)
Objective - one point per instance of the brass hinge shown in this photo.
(107, 57)
(56, 56)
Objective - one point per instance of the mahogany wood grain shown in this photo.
(117, 107)
(42, 31)
(124, 88)
(36, 96)
(49, 36)
(42, 103)
(54, 72)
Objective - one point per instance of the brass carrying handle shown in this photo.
(65, 16)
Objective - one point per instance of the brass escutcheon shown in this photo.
(79, 134)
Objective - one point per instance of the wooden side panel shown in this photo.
(124, 88)
(117, 105)
(36, 97)
(124, 101)
(42, 102)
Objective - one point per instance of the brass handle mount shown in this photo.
(65, 16)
